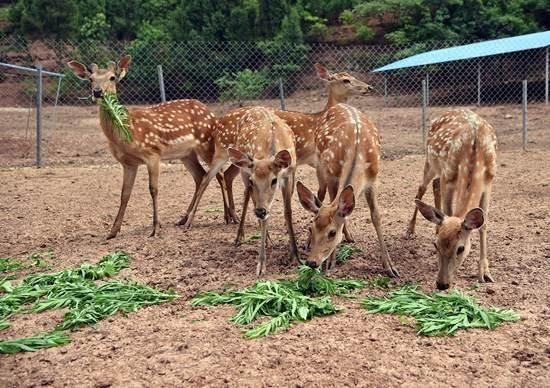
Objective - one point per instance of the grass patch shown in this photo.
(9, 264)
(74, 289)
(345, 251)
(439, 314)
(252, 238)
(214, 210)
(282, 301)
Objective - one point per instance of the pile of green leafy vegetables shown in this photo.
(77, 290)
(282, 301)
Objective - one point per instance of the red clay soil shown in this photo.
(68, 208)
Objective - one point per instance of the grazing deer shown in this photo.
(341, 86)
(180, 129)
(461, 154)
(348, 150)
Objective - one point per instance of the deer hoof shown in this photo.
(156, 231)
(409, 235)
(392, 272)
(486, 278)
(260, 269)
(183, 220)
(112, 234)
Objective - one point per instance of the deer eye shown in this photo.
(332, 234)
(460, 250)
(273, 181)
(113, 78)
(346, 81)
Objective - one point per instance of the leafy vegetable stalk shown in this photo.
(118, 115)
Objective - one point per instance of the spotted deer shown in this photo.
(348, 150)
(262, 146)
(461, 152)
(340, 86)
(180, 129)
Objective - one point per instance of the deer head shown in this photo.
(342, 84)
(453, 239)
(102, 80)
(264, 176)
(328, 223)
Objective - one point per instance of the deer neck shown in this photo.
(334, 99)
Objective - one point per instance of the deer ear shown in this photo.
(474, 219)
(80, 70)
(239, 159)
(111, 66)
(283, 159)
(322, 72)
(429, 212)
(308, 200)
(346, 202)
(123, 65)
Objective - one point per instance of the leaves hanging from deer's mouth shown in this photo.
(118, 115)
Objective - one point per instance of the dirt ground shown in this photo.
(68, 206)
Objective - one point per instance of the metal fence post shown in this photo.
(424, 90)
(427, 88)
(38, 115)
(524, 115)
(385, 90)
(546, 79)
(478, 84)
(282, 93)
(161, 84)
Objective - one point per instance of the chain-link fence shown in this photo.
(253, 72)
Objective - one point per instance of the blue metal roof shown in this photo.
(474, 50)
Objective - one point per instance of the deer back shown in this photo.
(348, 147)
(461, 147)
(171, 129)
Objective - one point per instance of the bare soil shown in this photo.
(68, 206)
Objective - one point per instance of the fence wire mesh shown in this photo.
(251, 72)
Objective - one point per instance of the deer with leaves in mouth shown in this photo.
(179, 129)
(348, 150)
(461, 150)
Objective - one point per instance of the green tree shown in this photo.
(291, 30)
(270, 16)
(57, 18)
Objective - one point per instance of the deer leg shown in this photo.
(483, 266)
(348, 237)
(288, 190)
(153, 167)
(447, 188)
(370, 194)
(240, 231)
(214, 169)
(426, 178)
(260, 269)
(192, 165)
(322, 185)
(223, 186)
(229, 176)
(128, 180)
(330, 263)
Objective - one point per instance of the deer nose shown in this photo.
(97, 93)
(260, 212)
(311, 264)
(442, 286)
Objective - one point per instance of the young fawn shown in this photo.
(262, 146)
(348, 149)
(340, 86)
(461, 154)
(180, 129)
(264, 152)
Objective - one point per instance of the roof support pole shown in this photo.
(424, 100)
(478, 84)
(524, 114)
(546, 79)
(386, 87)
